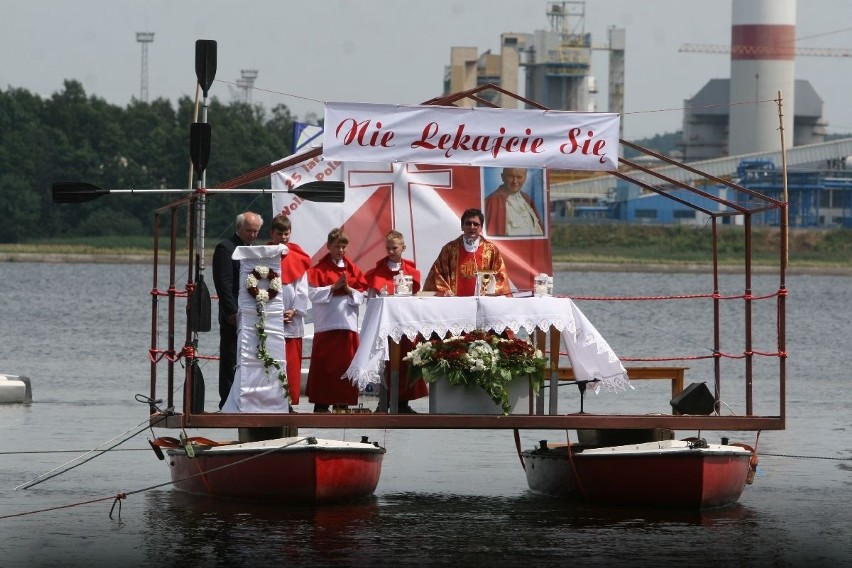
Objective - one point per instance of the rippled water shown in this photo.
(445, 498)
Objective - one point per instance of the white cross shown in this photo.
(402, 178)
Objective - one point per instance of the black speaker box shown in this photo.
(695, 399)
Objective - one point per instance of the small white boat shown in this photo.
(15, 389)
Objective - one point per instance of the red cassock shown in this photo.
(378, 277)
(335, 331)
(294, 265)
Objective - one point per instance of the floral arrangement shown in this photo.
(263, 273)
(479, 358)
(262, 296)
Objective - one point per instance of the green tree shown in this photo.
(74, 137)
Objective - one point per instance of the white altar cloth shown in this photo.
(394, 317)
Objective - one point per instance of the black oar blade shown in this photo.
(199, 145)
(75, 192)
(200, 306)
(196, 405)
(321, 191)
(205, 63)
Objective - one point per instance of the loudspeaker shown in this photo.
(695, 399)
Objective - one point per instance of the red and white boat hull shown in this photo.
(291, 470)
(669, 473)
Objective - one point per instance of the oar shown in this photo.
(81, 192)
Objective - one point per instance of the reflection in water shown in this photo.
(417, 528)
(236, 532)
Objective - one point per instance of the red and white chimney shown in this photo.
(762, 63)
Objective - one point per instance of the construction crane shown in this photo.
(766, 50)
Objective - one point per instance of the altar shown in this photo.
(389, 318)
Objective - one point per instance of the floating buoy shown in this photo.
(15, 389)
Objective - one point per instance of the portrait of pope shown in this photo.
(514, 207)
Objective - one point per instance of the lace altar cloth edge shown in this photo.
(394, 317)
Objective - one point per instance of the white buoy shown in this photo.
(15, 389)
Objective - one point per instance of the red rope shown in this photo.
(631, 298)
(716, 355)
(780, 354)
(682, 358)
(714, 296)
(155, 355)
(170, 292)
(168, 355)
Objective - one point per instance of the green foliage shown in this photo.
(112, 244)
(74, 137)
(108, 222)
(686, 243)
(838, 241)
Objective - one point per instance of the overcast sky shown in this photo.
(385, 51)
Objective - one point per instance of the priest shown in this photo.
(454, 272)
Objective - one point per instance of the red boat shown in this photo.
(283, 470)
(689, 474)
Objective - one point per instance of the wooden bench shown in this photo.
(674, 374)
(550, 344)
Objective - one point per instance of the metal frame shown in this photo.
(550, 420)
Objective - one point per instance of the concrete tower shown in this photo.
(762, 63)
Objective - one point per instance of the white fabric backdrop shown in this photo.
(255, 388)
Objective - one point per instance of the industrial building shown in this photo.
(556, 64)
(719, 131)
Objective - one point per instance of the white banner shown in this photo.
(485, 137)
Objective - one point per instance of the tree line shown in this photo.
(145, 145)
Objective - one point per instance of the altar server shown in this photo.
(336, 288)
(294, 291)
(381, 279)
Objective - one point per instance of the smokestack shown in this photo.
(762, 63)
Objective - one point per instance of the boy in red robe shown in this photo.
(294, 290)
(381, 278)
(336, 289)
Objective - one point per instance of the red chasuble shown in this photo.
(454, 270)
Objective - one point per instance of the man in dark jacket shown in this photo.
(226, 278)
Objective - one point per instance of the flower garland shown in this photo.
(262, 296)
